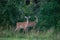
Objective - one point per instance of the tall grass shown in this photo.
(46, 35)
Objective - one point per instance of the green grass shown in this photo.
(49, 35)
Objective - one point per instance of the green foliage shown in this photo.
(13, 11)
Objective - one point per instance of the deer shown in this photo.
(26, 24)
(23, 25)
(33, 23)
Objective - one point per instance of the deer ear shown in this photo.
(29, 16)
(25, 17)
(35, 16)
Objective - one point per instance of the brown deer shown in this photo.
(26, 24)
(23, 25)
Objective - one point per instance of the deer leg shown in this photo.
(25, 30)
(34, 29)
(17, 29)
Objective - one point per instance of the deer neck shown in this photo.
(27, 21)
(36, 20)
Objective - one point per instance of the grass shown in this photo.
(49, 35)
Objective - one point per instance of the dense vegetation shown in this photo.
(13, 11)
